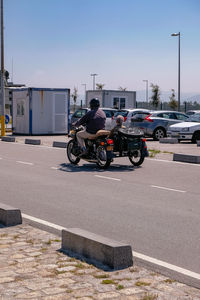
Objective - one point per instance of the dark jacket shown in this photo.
(94, 120)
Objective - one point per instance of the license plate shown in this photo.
(175, 134)
(109, 148)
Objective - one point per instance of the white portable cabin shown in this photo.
(113, 98)
(41, 111)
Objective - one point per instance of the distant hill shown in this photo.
(141, 96)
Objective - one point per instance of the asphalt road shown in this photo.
(155, 207)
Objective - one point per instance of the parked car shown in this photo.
(157, 122)
(192, 112)
(79, 113)
(187, 130)
(128, 114)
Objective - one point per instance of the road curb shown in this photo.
(8, 139)
(195, 159)
(10, 216)
(168, 141)
(59, 144)
(32, 142)
(114, 254)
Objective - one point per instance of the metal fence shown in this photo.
(165, 106)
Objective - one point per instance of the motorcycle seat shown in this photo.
(100, 133)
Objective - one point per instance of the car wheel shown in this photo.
(196, 137)
(159, 133)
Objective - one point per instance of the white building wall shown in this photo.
(106, 97)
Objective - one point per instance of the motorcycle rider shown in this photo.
(93, 121)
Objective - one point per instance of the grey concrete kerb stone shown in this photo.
(114, 254)
(8, 139)
(195, 159)
(168, 141)
(59, 144)
(32, 141)
(10, 216)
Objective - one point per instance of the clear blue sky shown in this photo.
(59, 43)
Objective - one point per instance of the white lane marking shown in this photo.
(136, 254)
(54, 168)
(36, 146)
(24, 162)
(110, 178)
(42, 222)
(174, 162)
(166, 265)
(168, 189)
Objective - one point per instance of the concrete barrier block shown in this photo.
(198, 143)
(10, 216)
(195, 159)
(168, 141)
(114, 254)
(32, 142)
(8, 139)
(59, 144)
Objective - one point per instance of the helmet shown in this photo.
(94, 103)
(119, 119)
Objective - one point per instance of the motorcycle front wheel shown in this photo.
(103, 162)
(136, 157)
(72, 158)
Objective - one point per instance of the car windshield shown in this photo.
(123, 113)
(194, 118)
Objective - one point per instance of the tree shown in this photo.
(122, 89)
(74, 97)
(6, 76)
(100, 86)
(173, 104)
(155, 95)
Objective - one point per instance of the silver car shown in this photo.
(128, 114)
(157, 122)
(79, 113)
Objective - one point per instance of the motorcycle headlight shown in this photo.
(185, 129)
(72, 132)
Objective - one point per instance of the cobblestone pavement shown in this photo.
(33, 267)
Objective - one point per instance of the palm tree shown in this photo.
(122, 89)
(100, 86)
(74, 97)
(173, 104)
(155, 95)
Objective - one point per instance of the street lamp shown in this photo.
(179, 37)
(145, 80)
(84, 84)
(93, 75)
(2, 75)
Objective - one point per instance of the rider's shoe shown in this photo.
(83, 152)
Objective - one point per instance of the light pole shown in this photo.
(179, 60)
(2, 76)
(145, 80)
(93, 75)
(84, 84)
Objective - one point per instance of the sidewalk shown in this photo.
(33, 267)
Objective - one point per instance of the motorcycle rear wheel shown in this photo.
(72, 158)
(136, 158)
(103, 162)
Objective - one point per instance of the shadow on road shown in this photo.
(93, 168)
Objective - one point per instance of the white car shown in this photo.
(189, 130)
